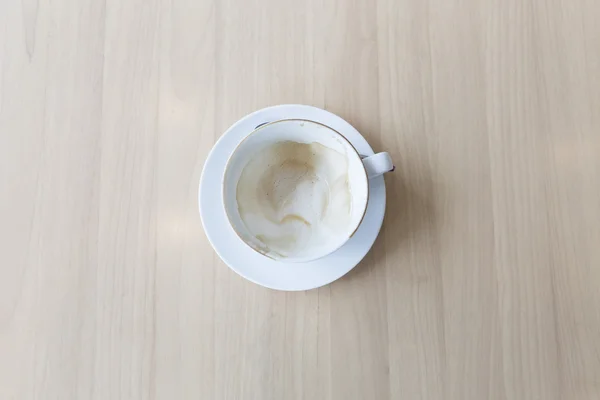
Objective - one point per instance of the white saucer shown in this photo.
(256, 267)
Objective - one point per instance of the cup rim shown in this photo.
(295, 259)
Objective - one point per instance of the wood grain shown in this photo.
(484, 282)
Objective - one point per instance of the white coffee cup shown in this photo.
(297, 190)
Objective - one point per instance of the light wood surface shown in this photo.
(484, 282)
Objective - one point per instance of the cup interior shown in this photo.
(305, 132)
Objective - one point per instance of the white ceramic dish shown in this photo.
(256, 267)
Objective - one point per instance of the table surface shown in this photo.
(483, 284)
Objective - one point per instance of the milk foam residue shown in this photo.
(294, 197)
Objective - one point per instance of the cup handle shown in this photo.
(378, 164)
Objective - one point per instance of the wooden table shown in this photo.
(483, 284)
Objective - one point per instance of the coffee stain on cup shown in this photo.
(293, 197)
